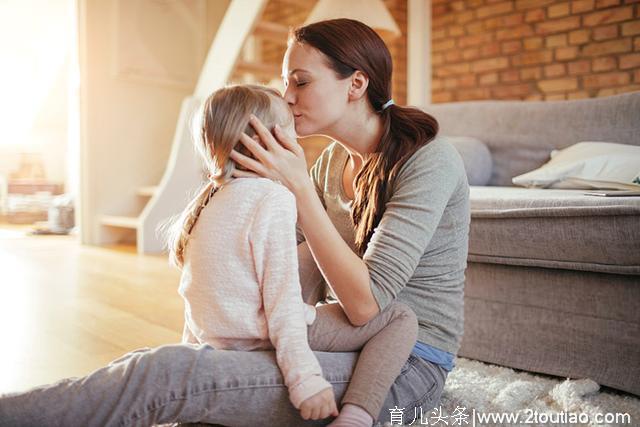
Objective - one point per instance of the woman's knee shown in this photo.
(128, 356)
(165, 358)
(184, 352)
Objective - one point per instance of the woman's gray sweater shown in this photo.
(418, 251)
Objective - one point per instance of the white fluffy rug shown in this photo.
(493, 389)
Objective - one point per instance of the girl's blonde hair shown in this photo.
(222, 118)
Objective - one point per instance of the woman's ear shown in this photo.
(359, 84)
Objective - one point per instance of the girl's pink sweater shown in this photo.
(240, 281)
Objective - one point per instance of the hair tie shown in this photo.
(387, 104)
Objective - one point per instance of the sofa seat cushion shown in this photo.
(555, 229)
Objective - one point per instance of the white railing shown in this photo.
(183, 174)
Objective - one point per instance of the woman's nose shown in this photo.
(288, 95)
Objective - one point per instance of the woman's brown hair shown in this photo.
(223, 116)
(350, 45)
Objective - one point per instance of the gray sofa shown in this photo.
(553, 277)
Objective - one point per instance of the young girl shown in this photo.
(236, 246)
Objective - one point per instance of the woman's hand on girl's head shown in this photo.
(279, 157)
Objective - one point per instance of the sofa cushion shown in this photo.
(475, 156)
(599, 165)
(521, 134)
(555, 229)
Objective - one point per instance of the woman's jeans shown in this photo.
(195, 383)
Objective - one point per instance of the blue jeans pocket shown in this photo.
(426, 383)
(418, 384)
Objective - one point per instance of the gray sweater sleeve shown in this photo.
(421, 192)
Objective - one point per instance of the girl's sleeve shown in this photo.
(273, 242)
(422, 190)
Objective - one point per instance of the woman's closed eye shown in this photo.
(299, 84)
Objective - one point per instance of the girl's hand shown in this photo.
(319, 406)
(279, 158)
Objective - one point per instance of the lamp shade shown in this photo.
(371, 12)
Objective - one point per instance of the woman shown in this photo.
(407, 194)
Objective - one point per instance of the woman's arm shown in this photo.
(344, 270)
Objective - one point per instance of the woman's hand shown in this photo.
(319, 406)
(279, 157)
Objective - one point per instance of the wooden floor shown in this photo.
(67, 309)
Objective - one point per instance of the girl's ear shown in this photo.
(358, 86)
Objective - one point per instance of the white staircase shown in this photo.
(235, 52)
(184, 172)
(181, 179)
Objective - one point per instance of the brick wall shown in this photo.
(534, 49)
(293, 14)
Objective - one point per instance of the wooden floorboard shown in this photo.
(67, 309)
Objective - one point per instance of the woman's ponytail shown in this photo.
(350, 45)
(406, 129)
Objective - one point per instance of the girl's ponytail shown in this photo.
(177, 242)
(223, 117)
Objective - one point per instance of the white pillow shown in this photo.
(588, 165)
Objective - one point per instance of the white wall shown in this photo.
(35, 63)
(138, 61)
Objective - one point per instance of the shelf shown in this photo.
(148, 191)
(119, 221)
(33, 186)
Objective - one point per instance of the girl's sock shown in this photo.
(352, 416)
